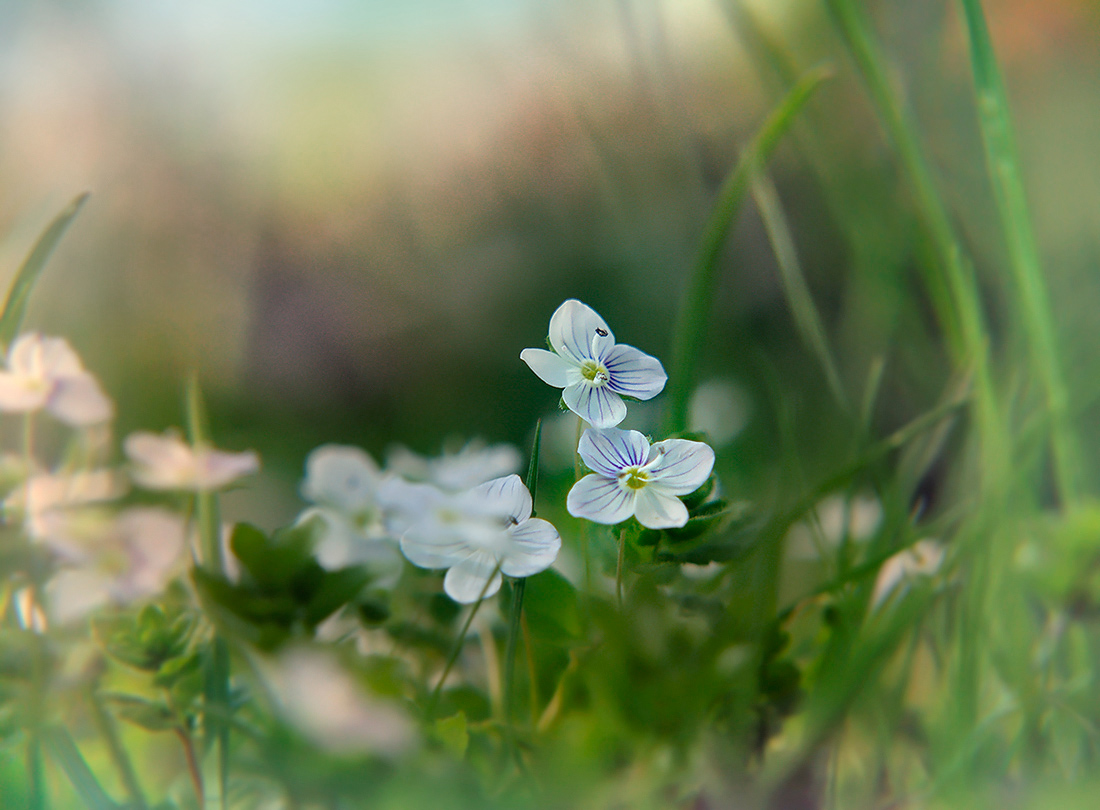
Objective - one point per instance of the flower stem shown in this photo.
(510, 650)
(430, 710)
(578, 473)
(192, 765)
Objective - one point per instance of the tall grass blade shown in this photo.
(61, 746)
(691, 323)
(806, 317)
(15, 307)
(1032, 298)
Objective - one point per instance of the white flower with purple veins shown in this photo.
(481, 534)
(593, 372)
(45, 372)
(166, 461)
(632, 479)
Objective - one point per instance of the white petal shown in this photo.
(610, 451)
(161, 461)
(552, 369)
(600, 407)
(56, 358)
(427, 544)
(535, 547)
(573, 327)
(79, 401)
(600, 500)
(341, 476)
(473, 464)
(465, 582)
(506, 497)
(657, 509)
(72, 594)
(19, 394)
(217, 468)
(684, 466)
(634, 373)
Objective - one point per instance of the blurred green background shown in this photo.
(352, 216)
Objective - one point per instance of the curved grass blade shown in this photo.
(1032, 298)
(691, 323)
(61, 746)
(15, 307)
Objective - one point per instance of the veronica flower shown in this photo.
(632, 479)
(481, 534)
(168, 462)
(475, 463)
(45, 373)
(593, 372)
(58, 510)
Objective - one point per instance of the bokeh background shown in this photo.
(350, 216)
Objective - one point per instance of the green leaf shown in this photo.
(61, 746)
(151, 715)
(15, 307)
(453, 733)
(550, 602)
(337, 589)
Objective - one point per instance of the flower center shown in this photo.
(594, 373)
(634, 478)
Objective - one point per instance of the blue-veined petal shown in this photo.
(573, 326)
(634, 373)
(610, 451)
(535, 545)
(506, 497)
(552, 369)
(658, 509)
(684, 465)
(599, 406)
(465, 582)
(600, 500)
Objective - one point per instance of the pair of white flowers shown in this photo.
(478, 533)
(630, 477)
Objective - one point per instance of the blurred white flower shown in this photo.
(479, 535)
(343, 477)
(53, 508)
(594, 373)
(835, 517)
(321, 698)
(474, 464)
(718, 408)
(923, 558)
(46, 373)
(632, 479)
(166, 461)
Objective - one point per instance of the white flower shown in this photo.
(474, 464)
(57, 510)
(342, 477)
(168, 462)
(594, 372)
(923, 558)
(630, 478)
(481, 534)
(46, 373)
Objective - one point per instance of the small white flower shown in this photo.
(342, 477)
(481, 534)
(630, 478)
(57, 509)
(923, 558)
(46, 373)
(594, 373)
(474, 464)
(167, 462)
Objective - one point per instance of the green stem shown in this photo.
(118, 753)
(64, 751)
(510, 651)
(691, 322)
(1032, 298)
(578, 474)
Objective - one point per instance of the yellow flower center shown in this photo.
(634, 478)
(594, 373)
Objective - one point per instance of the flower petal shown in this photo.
(610, 451)
(551, 368)
(535, 547)
(658, 509)
(19, 394)
(428, 544)
(684, 466)
(79, 401)
(573, 327)
(465, 582)
(634, 373)
(600, 500)
(600, 407)
(341, 476)
(217, 468)
(505, 497)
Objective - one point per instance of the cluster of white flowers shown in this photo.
(104, 552)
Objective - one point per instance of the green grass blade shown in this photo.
(1032, 298)
(15, 307)
(806, 317)
(61, 746)
(691, 323)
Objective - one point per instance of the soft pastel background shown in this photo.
(351, 216)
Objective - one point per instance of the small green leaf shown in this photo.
(149, 714)
(453, 733)
(550, 602)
